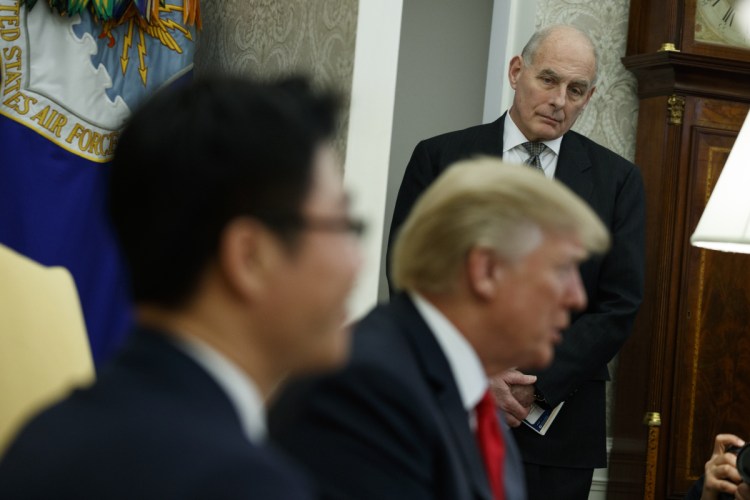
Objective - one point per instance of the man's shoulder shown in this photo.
(385, 361)
(129, 406)
(386, 335)
(472, 136)
(260, 472)
(469, 131)
(151, 465)
(389, 318)
(596, 151)
(121, 415)
(90, 446)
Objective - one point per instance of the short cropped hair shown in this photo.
(528, 54)
(485, 202)
(191, 160)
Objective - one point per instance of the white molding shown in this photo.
(601, 478)
(493, 95)
(513, 23)
(369, 134)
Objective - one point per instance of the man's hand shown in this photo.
(514, 394)
(743, 492)
(721, 470)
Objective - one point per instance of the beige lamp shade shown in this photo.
(44, 350)
(725, 223)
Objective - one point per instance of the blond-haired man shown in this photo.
(489, 261)
(553, 79)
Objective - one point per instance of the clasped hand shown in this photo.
(514, 394)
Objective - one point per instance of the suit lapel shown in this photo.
(153, 355)
(435, 366)
(465, 441)
(574, 167)
(489, 138)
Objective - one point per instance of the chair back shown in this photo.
(44, 350)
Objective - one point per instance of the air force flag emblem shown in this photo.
(74, 79)
(70, 75)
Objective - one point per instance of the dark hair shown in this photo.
(192, 159)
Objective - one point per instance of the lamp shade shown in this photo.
(725, 223)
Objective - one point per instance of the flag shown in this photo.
(71, 73)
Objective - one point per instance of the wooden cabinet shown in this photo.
(688, 359)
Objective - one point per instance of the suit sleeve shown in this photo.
(596, 335)
(419, 174)
(358, 435)
(236, 478)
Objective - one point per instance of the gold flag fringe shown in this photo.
(115, 12)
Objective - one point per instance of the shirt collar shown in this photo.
(463, 360)
(513, 137)
(239, 388)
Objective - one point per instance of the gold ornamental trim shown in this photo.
(668, 47)
(676, 107)
(653, 420)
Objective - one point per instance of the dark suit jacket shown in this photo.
(391, 424)
(154, 425)
(614, 283)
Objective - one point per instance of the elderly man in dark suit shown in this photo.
(227, 200)
(553, 79)
(488, 261)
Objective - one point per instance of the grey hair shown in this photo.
(528, 54)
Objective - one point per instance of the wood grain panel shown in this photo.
(647, 350)
(684, 357)
(647, 30)
(712, 327)
(684, 353)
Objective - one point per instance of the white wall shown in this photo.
(421, 68)
(512, 25)
(442, 71)
(369, 136)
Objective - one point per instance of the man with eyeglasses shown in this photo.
(227, 199)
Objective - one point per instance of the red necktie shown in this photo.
(491, 445)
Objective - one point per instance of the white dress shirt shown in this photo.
(463, 360)
(514, 151)
(239, 388)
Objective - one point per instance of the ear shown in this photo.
(483, 269)
(247, 250)
(514, 71)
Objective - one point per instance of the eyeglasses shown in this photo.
(349, 225)
(356, 227)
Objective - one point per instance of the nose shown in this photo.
(576, 293)
(558, 96)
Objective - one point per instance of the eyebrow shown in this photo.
(583, 83)
(578, 82)
(550, 73)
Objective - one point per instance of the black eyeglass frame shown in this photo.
(355, 226)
